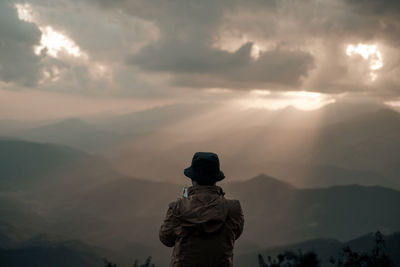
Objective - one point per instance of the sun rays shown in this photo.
(302, 100)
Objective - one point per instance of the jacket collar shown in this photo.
(208, 189)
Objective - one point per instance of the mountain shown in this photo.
(369, 141)
(125, 213)
(149, 120)
(115, 213)
(325, 248)
(28, 165)
(42, 252)
(88, 196)
(9, 127)
(277, 213)
(316, 175)
(342, 143)
(72, 132)
(26, 162)
(99, 134)
(362, 149)
(345, 109)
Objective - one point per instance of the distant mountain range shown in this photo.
(40, 251)
(150, 120)
(55, 189)
(342, 143)
(99, 134)
(275, 212)
(363, 149)
(72, 132)
(279, 213)
(85, 187)
(28, 165)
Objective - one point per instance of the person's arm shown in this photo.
(167, 231)
(236, 218)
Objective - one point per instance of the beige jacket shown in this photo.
(202, 228)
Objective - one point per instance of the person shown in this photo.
(203, 225)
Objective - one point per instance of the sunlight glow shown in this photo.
(370, 53)
(215, 90)
(25, 12)
(53, 75)
(299, 99)
(101, 71)
(55, 42)
(393, 104)
(367, 52)
(51, 40)
(255, 51)
(261, 92)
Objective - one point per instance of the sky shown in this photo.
(61, 58)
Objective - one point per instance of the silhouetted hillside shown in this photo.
(342, 143)
(125, 213)
(277, 213)
(10, 127)
(27, 165)
(41, 252)
(80, 196)
(325, 249)
(24, 164)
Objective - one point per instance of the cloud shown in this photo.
(302, 44)
(85, 50)
(186, 50)
(18, 62)
(325, 29)
(156, 48)
(273, 69)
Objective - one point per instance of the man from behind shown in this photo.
(203, 225)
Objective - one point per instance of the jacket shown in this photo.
(202, 228)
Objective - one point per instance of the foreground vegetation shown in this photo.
(347, 258)
(377, 257)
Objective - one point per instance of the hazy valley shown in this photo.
(299, 176)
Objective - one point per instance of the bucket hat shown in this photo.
(205, 168)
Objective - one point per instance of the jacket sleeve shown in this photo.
(236, 218)
(167, 233)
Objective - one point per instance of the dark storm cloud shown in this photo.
(377, 7)
(187, 31)
(18, 62)
(231, 69)
(273, 68)
(383, 17)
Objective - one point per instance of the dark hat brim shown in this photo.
(189, 172)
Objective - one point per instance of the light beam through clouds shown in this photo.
(70, 63)
(299, 99)
(302, 55)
